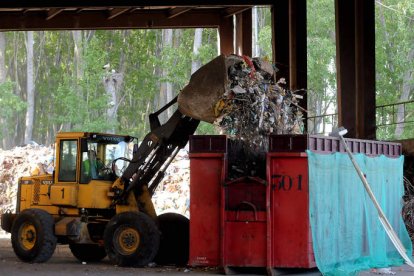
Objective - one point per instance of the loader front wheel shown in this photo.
(87, 252)
(32, 236)
(131, 239)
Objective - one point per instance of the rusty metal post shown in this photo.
(289, 44)
(226, 35)
(365, 69)
(244, 33)
(280, 34)
(298, 50)
(355, 48)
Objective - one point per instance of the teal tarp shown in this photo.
(347, 234)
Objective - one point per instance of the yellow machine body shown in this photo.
(65, 197)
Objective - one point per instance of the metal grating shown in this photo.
(36, 192)
(327, 144)
(301, 143)
(208, 144)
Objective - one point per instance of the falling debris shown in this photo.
(241, 97)
(254, 106)
(242, 161)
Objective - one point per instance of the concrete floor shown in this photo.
(63, 263)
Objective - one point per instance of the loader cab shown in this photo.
(83, 157)
(85, 169)
(98, 155)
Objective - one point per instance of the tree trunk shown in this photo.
(166, 93)
(112, 84)
(2, 57)
(407, 87)
(255, 27)
(77, 53)
(30, 87)
(198, 39)
(2, 80)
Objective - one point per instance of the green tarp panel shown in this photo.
(347, 234)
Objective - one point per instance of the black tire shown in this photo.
(131, 239)
(32, 236)
(175, 240)
(87, 252)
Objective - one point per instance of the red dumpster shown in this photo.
(254, 222)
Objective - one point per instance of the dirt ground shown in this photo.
(63, 263)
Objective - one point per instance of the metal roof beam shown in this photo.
(125, 3)
(116, 12)
(235, 10)
(177, 11)
(98, 20)
(52, 13)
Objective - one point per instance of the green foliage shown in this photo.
(321, 57)
(10, 105)
(207, 129)
(265, 41)
(394, 60)
(9, 102)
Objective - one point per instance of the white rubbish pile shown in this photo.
(20, 161)
(173, 193)
(17, 162)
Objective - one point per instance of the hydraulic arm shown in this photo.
(153, 156)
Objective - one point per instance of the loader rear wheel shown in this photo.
(87, 252)
(175, 239)
(131, 239)
(32, 236)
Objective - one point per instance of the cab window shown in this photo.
(68, 157)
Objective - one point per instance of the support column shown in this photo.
(298, 73)
(244, 33)
(280, 36)
(345, 64)
(365, 69)
(226, 35)
(355, 59)
(290, 44)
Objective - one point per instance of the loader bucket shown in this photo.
(207, 85)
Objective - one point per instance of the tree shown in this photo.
(30, 88)
(198, 38)
(2, 81)
(321, 62)
(394, 65)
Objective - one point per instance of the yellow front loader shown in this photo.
(98, 199)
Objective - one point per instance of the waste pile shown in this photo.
(254, 105)
(173, 193)
(408, 217)
(408, 207)
(17, 162)
(20, 161)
